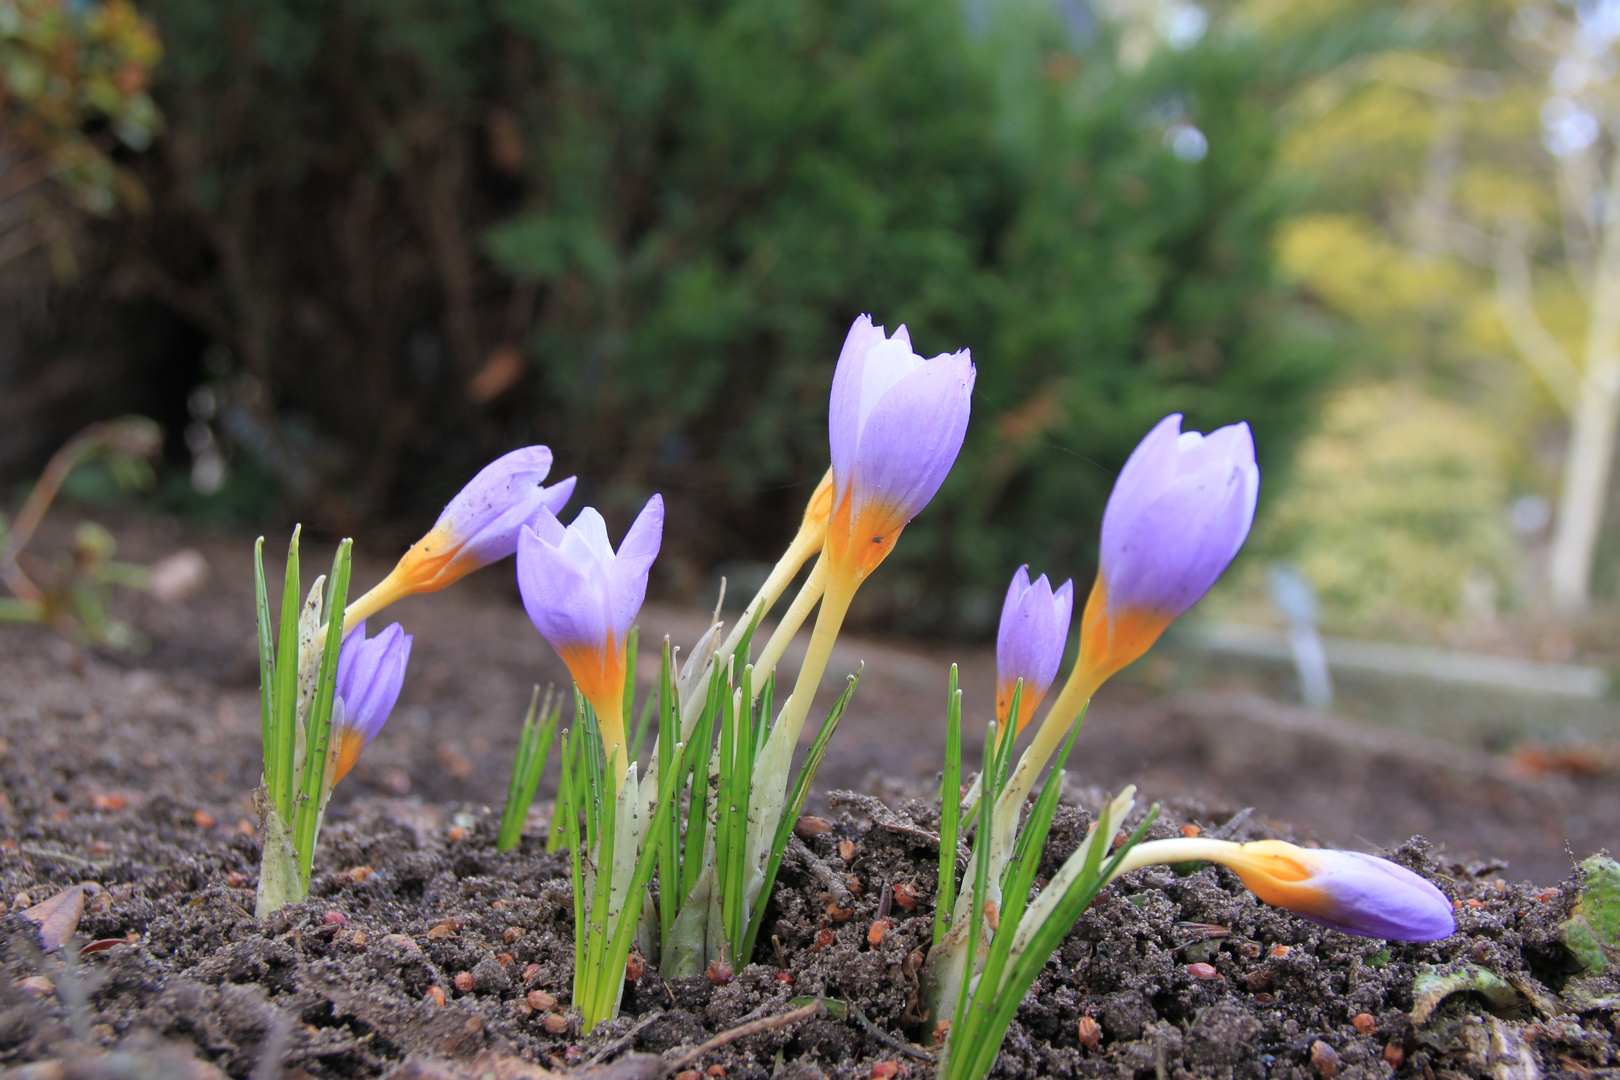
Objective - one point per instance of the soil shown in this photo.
(424, 952)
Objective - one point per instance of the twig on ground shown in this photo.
(742, 1031)
(883, 817)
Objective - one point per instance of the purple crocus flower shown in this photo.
(896, 423)
(1342, 890)
(369, 677)
(583, 596)
(1181, 508)
(1029, 645)
(479, 526)
(1345, 890)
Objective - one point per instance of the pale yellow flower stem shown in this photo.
(835, 601)
(805, 545)
(792, 620)
(1176, 850)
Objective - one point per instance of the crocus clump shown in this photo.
(1179, 512)
(479, 526)
(369, 677)
(896, 423)
(1342, 890)
(583, 597)
(1029, 644)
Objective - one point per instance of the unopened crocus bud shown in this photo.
(1342, 890)
(896, 423)
(1181, 508)
(583, 597)
(479, 526)
(369, 677)
(1029, 645)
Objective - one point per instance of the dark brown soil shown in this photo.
(135, 773)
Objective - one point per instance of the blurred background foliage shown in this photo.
(387, 241)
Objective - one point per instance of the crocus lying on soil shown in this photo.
(1342, 890)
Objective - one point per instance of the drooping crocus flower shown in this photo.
(1029, 645)
(369, 677)
(1181, 508)
(896, 423)
(583, 596)
(1342, 890)
(479, 526)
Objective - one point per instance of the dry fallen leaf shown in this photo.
(57, 917)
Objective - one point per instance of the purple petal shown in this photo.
(1178, 515)
(912, 436)
(1377, 898)
(1034, 632)
(566, 601)
(370, 676)
(485, 515)
(627, 579)
(844, 411)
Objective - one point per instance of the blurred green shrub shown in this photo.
(674, 211)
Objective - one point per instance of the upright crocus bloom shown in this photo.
(1181, 508)
(1342, 890)
(479, 526)
(583, 596)
(369, 677)
(1030, 643)
(896, 423)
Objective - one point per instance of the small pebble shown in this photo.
(906, 896)
(358, 874)
(435, 994)
(335, 918)
(839, 914)
(511, 934)
(1395, 1055)
(1203, 971)
(1090, 1033)
(1324, 1059)
(203, 819)
(846, 850)
(1248, 950)
(235, 879)
(634, 968)
(824, 938)
(402, 942)
(464, 982)
(36, 986)
(715, 1070)
(1280, 951)
(555, 1024)
(1190, 830)
(457, 834)
(883, 1070)
(443, 930)
(808, 827)
(540, 1001)
(504, 959)
(1365, 1023)
(720, 973)
(874, 935)
(530, 972)
(784, 977)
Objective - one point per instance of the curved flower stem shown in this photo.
(792, 620)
